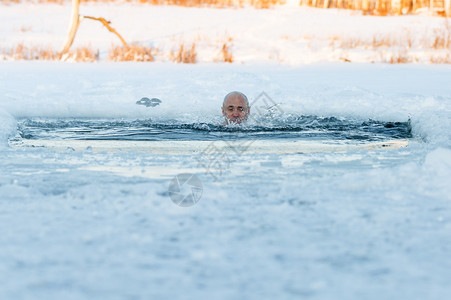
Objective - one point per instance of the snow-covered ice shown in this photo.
(355, 225)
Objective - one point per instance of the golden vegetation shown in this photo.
(441, 60)
(433, 46)
(22, 52)
(82, 54)
(213, 3)
(182, 54)
(226, 52)
(34, 1)
(401, 57)
(385, 7)
(186, 3)
(437, 40)
(369, 7)
(132, 53)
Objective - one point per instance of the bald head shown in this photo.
(235, 94)
(235, 107)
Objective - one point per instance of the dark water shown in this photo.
(298, 127)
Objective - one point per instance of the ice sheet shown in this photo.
(355, 225)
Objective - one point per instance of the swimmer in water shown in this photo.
(235, 108)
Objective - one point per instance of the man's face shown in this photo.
(235, 109)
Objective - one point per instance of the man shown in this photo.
(235, 108)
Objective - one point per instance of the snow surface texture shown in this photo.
(356, 225)
(8, 127)
(286, 34)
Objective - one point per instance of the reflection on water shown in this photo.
(297, 127)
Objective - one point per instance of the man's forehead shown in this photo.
(235, 100)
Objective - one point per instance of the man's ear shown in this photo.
(223, 112)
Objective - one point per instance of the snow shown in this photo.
(363, 224)
(355, 225)
(286, 34)
(8, 127)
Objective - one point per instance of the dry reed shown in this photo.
(83, 54)
(438, 41)
(132, 53)
(438, 38)
(441, 60)
(186, 3)
(22, 52)
(385, 7)
(368, 7)
(400, 58)
(226, 52)
(183, 54)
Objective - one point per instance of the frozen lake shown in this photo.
(355, 224)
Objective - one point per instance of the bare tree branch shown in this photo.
(107, 25)
(75, 23)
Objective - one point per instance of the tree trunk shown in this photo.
(73, 27)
